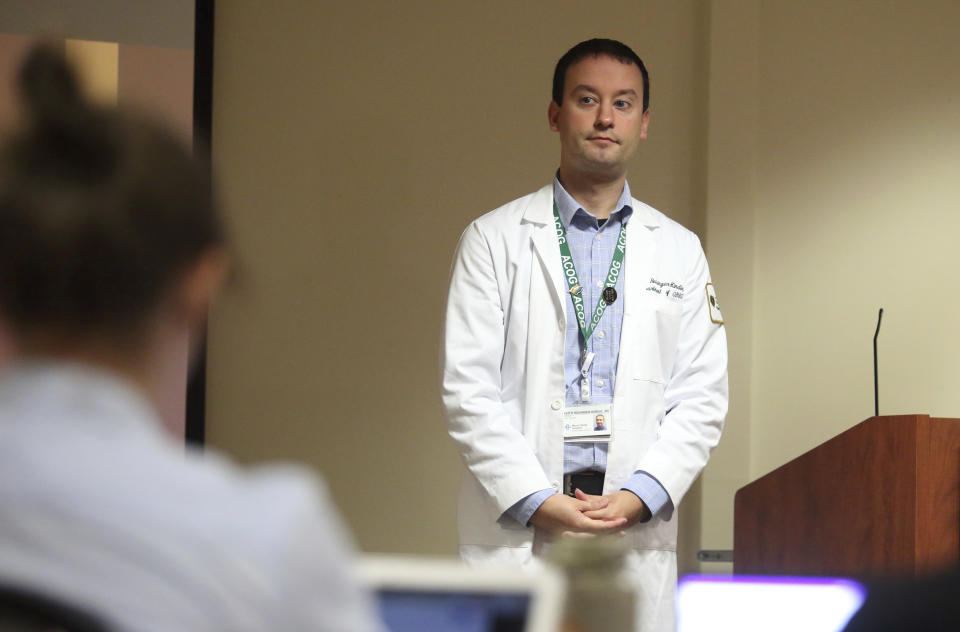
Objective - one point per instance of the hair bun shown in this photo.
(48, 86)
(61, 123)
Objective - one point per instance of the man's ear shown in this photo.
(199, 284)
(553, 112)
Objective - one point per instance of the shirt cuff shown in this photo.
(649, 490)
(524, 509)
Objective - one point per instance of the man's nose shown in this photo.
(604, 116)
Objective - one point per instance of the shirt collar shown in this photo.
(67, 392)
(568, 207)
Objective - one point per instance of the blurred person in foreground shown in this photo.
(110, 253)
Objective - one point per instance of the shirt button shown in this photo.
(600, 283)
(556, 404)
(600, 383)
(600, 335)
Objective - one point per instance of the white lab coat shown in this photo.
(503, 377)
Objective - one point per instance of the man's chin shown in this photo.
(607, 167)
(606, 157)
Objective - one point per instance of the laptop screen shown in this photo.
(444, 595)
(415, 611)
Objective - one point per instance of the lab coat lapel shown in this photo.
(544, 238)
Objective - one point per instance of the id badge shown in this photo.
(587, 423)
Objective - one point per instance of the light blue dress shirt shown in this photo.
(592, 248)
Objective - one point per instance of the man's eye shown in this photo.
(620, 103)
(586, 100)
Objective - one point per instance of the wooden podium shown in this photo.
(881, 499)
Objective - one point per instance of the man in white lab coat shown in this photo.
(576, 301)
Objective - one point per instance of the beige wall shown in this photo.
(834, 131)
(811, 144)
(143, 22)
(857, 208)
(355, 141)
(730, 218)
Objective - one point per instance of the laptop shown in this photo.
(746, 604)
(445, 595)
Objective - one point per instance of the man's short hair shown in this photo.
(595, 48)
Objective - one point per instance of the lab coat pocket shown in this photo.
(659, 323)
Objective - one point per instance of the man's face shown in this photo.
(601, 121)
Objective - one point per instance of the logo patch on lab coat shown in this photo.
(713, 305)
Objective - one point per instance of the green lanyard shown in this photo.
(573, 281)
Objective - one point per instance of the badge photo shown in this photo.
(587, 423)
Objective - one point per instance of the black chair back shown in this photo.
(27, 610)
